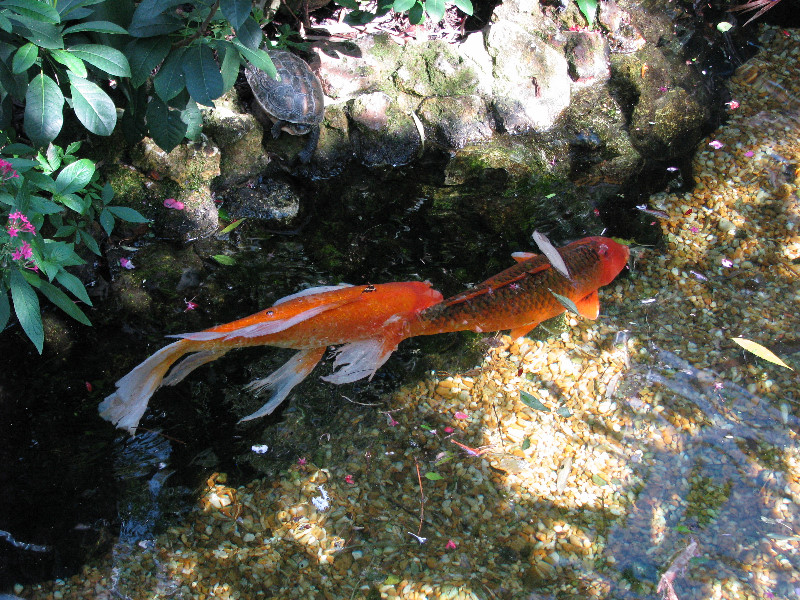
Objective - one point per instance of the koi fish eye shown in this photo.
(369, 288)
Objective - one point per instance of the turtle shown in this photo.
(294, 101)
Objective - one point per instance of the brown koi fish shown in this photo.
(369, 320)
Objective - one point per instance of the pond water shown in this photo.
(641, 455)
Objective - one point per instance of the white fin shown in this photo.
(360, 359)
(321, 289)
(190, 363)
(284, 379)
(126, 406)
(552, 254)
(200, 336)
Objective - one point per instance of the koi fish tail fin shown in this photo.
(357, 360)
(190, 363)
(284, 379)
(125, 407)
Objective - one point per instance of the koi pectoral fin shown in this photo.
(522, 331)
(357, 360)
(284, 379)
(589, 306)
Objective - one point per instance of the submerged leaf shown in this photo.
(760, 351)
(552, 254)
(233, 225)
(433, 476)
(531, 401)
(223, 259)
(566, 303)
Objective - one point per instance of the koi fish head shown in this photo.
(613, 257)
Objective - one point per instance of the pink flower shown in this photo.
(126, 263)
(349, 479)
(174, 204)
(190, 305)
(693, 229)
(7, 171)
(450, 545)
(13, 231)
(732, 105)
(716, 144)
(302, 461)
(461, 415)
(24, 252)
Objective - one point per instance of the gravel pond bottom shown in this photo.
(642, 455)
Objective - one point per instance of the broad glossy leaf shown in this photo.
(155, 17)
(417, 14)
(59, 298)
(97, 26)
(5, 309)
(193, 118)
(107, 59)
(258, 58)
(169, 81)
(250, 34)
(566, 303)
(236, 11)
(44, 103)
(73, 202)
(93, 106)
(532, 401)
(165, 125)
(90, 242)
(24, 58)
(588, 8)
(230, 65)
(69, 60)
(5, 24)
(760, 351)
(144, 55)
(128, 214)
(433, 476)
(203, 79)
(106, 221)
(44, 35)
(26, 307)
(44, 206)
(464, 6)
(40, 11)
(74, 177)
(403, 5)
(75, 9)
(74, 286)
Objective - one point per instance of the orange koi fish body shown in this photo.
(521, 297)
(369, 320)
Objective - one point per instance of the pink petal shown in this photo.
(461, 415)
(449, 429)
(716, 144)
(174, 204)
(450, 545)
(125, 263)
(749, 153)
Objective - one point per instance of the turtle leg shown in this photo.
(276, 129)
(311, 145)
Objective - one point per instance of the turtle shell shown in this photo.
(295, 97)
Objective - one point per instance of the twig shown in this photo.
(421, 498)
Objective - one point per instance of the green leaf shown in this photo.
(26, 307)
(92, 106)
(563, 411)
(259, 58)
(73, 202)
(107, 194)
(203, 79)
(105, 58)
(73, 285)
(75, 9)
(233, 225)
(41, 181)
(97, 26)
(65, 231)
(169, 81)
(391, 580)
(417, 14)
(5, 24)
(230, 65)
(57, 297)
(403, 5)
(589, 10)
(128, 214)
(165, 125)
(90, 242)
(464, 6)
(250, 34)
(433, 476)
(224, 259)
(44, 103)
(144, 55)
(531, 401)
(24, 58)
(75, 177)
(41, 11)
(106, 221)
(526, 443)
(44, 35)
(5, 309)
(73, 63)
(760, 351)
(236, 11)
(43, 206)
(435, 9)
(566, 303)
(599, 479)
(155, 18)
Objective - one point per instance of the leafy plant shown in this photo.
(588, 9)
(416, 9)
(45, 196)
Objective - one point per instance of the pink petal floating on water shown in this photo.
(449, 429)
(749, 153)
(126, 263)
(349, 479)
(450, 545)
(727, 262)
(733, 104)
(693, 229)
(174, 204)
(461, 415)
(716, 144)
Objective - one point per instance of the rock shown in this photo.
(191, 165)
(269, 200)
(587, 54)
(456, 122)
(383, 135)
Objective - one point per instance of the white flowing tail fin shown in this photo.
(357, 360)
(125, 407)
(284, 379)
(190, 363)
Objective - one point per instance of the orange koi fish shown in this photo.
(522, 296)
(369, 320)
